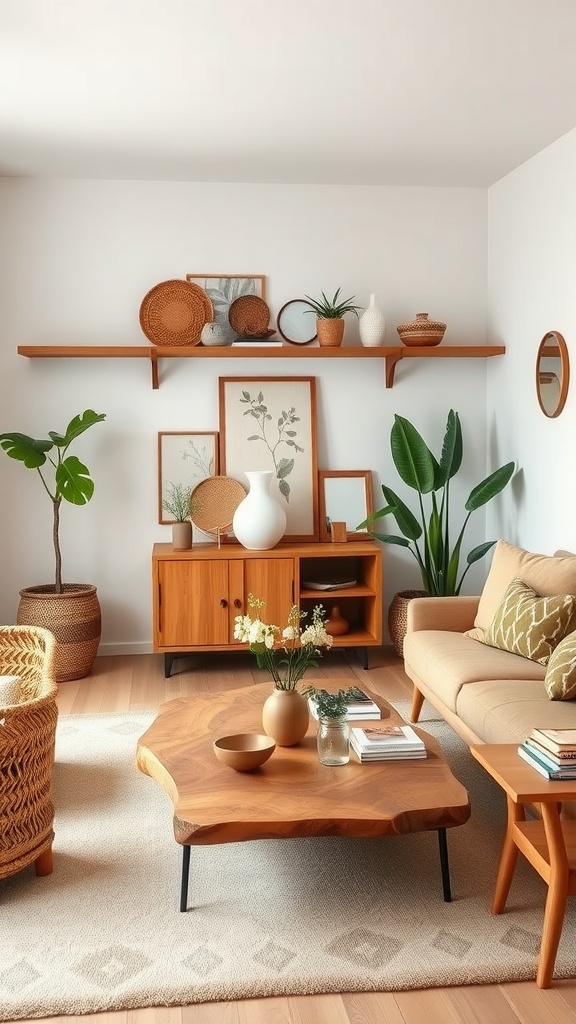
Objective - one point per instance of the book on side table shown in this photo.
(553, 767)
(386, 743)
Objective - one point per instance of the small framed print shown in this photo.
(184, 459)
(223, 289)
(269, 423)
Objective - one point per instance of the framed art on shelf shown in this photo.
(224, 289)
(269, 423)
(345, 495)
(184, 459)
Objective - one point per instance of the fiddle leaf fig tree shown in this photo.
(63, 476)
(428, 536)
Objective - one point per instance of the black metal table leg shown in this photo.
(184, 881)
(444, 865)
(168, 659)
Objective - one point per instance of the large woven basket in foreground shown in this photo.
(27, 736)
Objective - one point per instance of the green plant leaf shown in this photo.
(452, 448)
(405, 519)
(490, 487)
(73, 481)
(26, 449)
(76, 427)
(412, 457)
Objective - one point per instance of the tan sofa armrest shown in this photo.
(455, 614)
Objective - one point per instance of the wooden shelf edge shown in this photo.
(391, 354)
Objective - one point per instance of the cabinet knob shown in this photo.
(237, 602)
(223, 603)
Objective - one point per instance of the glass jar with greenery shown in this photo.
(333, 737)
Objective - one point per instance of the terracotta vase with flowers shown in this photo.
(286, 654)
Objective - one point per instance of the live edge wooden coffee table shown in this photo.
(292, 795)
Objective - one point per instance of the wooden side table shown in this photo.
(549, 844)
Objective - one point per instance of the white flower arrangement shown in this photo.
(286, 653)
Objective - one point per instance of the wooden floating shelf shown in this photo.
(391, 354)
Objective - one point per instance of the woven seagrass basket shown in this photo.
(73, 617)
(27, 751)
(398, 617)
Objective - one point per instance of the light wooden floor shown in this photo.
(124, 683)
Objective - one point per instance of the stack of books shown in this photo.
(552, 752)
(386, 743)
(361, 708)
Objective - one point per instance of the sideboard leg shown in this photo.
(168, 659)
(363, 655)
(185, 876)
(444, 865)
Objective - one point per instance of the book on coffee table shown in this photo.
(362, 708)
(386, 742)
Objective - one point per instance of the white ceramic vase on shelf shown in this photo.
(259, 521)
(372, 325)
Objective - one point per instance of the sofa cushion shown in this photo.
(448, 661)
(528, 624)
(560, 681)
(506, 711)
(546, 574)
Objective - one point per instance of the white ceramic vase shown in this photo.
(372, 325)
(259, 521)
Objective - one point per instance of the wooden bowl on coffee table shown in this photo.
(244, 751)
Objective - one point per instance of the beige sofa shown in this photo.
(486, 694)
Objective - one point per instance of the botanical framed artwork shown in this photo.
(223, 289)
(269, 423)
(184, 459)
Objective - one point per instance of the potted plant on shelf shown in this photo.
(428, 536)
(71, 611)
(178, 503)
(330, 317)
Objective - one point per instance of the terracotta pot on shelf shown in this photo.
(421, 331)
(182, 535)
(330, 332)
(337, 625)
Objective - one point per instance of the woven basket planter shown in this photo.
(73, 617)
(398, 617)
(330, 332)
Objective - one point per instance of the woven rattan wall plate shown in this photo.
(174, 313)
(217, 498)
(249, 316)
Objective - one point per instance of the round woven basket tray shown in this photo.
(216, 498)
(249, 315)
(174, 313)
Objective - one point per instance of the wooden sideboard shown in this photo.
(198, 593)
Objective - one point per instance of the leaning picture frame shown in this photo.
(345, 495)
(269, 423)
(184, 459)
(224, 289)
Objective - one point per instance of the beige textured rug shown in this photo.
(270, 917)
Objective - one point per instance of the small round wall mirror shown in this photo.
(552, 374)
(296, 322)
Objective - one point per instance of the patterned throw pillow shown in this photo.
(530, 625)
(560, 681)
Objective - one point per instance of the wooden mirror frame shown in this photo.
(323, 475)
(553, 345)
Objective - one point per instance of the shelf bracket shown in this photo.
(391, 360)
(154, 365)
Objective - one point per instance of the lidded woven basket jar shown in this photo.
(421, 331)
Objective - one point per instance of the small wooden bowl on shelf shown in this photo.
(244, 751)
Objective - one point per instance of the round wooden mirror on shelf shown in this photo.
(552, 374)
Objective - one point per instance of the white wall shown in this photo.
(532, 290)
(76, 259)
